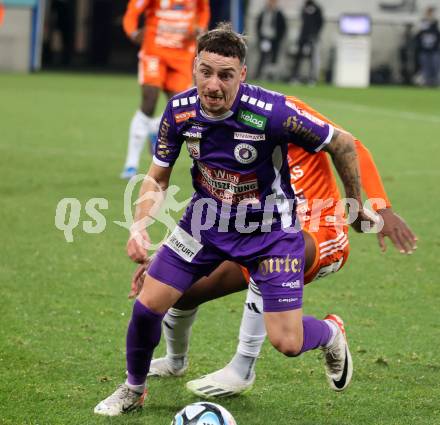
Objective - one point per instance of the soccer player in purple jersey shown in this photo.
(242, 210)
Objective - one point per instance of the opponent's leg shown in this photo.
(177, 325)
(238, 375)
(142, 124)
(143, 335)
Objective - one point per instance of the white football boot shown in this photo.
(223, 383)
(164, 367)
(338, 362)
(123, 400)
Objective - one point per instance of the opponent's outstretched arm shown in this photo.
(343, 153)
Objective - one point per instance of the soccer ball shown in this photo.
(203, 413)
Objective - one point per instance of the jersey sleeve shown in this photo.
(295, 125)
(168, 145)
(370, 177)
(203, 14)
(135, 8)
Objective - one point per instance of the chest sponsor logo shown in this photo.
(183, 244)
(249, 136)
(184, 116)
(228, 186)
(252, 120)
(193, 134)
(245, 153)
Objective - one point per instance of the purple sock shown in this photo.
(316, 333)
(143, 335)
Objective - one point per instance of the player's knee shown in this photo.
(147, 108)
(290, 347)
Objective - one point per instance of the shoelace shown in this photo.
(121, 392)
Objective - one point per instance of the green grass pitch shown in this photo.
(64, 309)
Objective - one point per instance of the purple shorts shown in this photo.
(275, 261)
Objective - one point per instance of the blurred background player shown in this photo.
(311, 25)
(271, 29)
(167, 42)
(2, 13)
(428, 49)
(327, 249)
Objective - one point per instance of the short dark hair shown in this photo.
(224, 41)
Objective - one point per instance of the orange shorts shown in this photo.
(172, 74)
(331, 253)
(332, 249)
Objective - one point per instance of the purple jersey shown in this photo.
(240, 158)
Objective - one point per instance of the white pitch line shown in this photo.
(416, 116)
(59, 151)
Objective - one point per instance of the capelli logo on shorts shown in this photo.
(292, 285)
(287, 300)
(280, 265)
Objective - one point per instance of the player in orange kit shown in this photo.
(322, 215)
(2, 13)
(165, 60)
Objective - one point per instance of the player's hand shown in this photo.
(395, 228)
(137, 245)
(137, 281)
(363, 221)
(138, 36)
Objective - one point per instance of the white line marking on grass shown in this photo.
(83, 153)
(416, 116)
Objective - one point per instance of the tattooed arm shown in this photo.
(343, 152)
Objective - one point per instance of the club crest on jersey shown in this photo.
(252, 120)
(249, 136)
(193, 147)
(184, 116)
(245, 153)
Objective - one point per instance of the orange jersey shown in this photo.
(2, 13)
(169, 24)
(315, 184)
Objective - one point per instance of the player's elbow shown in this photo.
(342, 142)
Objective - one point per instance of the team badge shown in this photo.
(193, 147)
(192, 139)
(245, 153)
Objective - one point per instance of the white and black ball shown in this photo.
(203, 413)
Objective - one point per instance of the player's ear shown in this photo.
(243, 73)
(195, 65)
